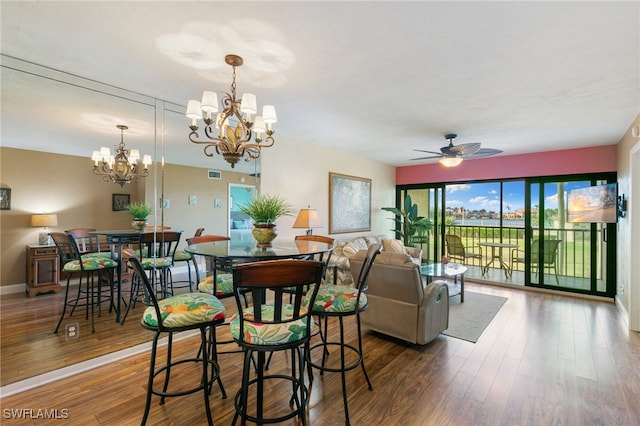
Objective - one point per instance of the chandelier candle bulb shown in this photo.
(258, 126)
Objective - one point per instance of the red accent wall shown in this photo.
(549, 163)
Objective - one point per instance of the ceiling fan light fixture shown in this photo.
(450, 161)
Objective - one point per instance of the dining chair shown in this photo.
(91, 270)
(187, 311)
(338, 301)
(183, 256)
(323, 257)
(217, 280)
(87, 242)
(272, 323)
(155, 254)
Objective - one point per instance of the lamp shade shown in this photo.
(44, 220)
(307, 218)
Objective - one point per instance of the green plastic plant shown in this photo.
(266, 208)
(139, 210)
(408, 220)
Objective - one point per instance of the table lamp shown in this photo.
(308, 218)
(44, 220)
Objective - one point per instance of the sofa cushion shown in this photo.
(393, 246)
(395, 259)
(354, 246)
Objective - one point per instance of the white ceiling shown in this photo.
(375, 78)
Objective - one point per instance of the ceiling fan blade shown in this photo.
(465, 148)
(484, 152)
(428, 158)
(429, 152)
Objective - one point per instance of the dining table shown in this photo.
(226, 254)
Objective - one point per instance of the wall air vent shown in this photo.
(215, 174)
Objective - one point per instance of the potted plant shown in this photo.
(265, 210)
(139, 212)
(409, 221)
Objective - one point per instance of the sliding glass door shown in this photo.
(565, 254)
(521, 230)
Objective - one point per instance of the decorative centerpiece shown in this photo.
(265, 210)
(139, 213)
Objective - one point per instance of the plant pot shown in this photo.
(264, 233)
(139, 224)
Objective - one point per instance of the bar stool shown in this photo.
(90, 268)
(271, 324)
(337, 301)
(155, 254)
(189, 311)
(183, 256)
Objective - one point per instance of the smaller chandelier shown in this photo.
(123, 167)
(229, 132)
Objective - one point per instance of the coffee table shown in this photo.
(454, 270)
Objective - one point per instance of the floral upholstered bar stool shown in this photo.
(274, 323)
(338, 301)
(189, 311)
(91, 269)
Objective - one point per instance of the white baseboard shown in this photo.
(13, 289)
(22, 288)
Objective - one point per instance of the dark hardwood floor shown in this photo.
(544, 360)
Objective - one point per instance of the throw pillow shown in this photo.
(394, 246)
(350, 249)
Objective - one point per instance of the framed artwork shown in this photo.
(349, 204)
(119, 202)
(5, 198)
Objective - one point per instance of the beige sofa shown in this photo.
(400, 303)
(339, 269)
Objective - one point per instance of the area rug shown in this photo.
(468, 320)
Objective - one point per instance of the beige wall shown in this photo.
(628, 244)
(300, 173)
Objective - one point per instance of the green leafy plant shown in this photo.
(408, 220)
(266, 208)
(139, 210)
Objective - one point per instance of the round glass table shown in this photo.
(454, 270)
(225, 254)
(248, 251)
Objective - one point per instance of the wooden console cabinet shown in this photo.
(43, 266)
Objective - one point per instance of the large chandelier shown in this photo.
(229, 132)
(122, 167)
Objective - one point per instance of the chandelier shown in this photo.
(229, 133)
(123, 167)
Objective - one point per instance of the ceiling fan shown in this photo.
(452, 155)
